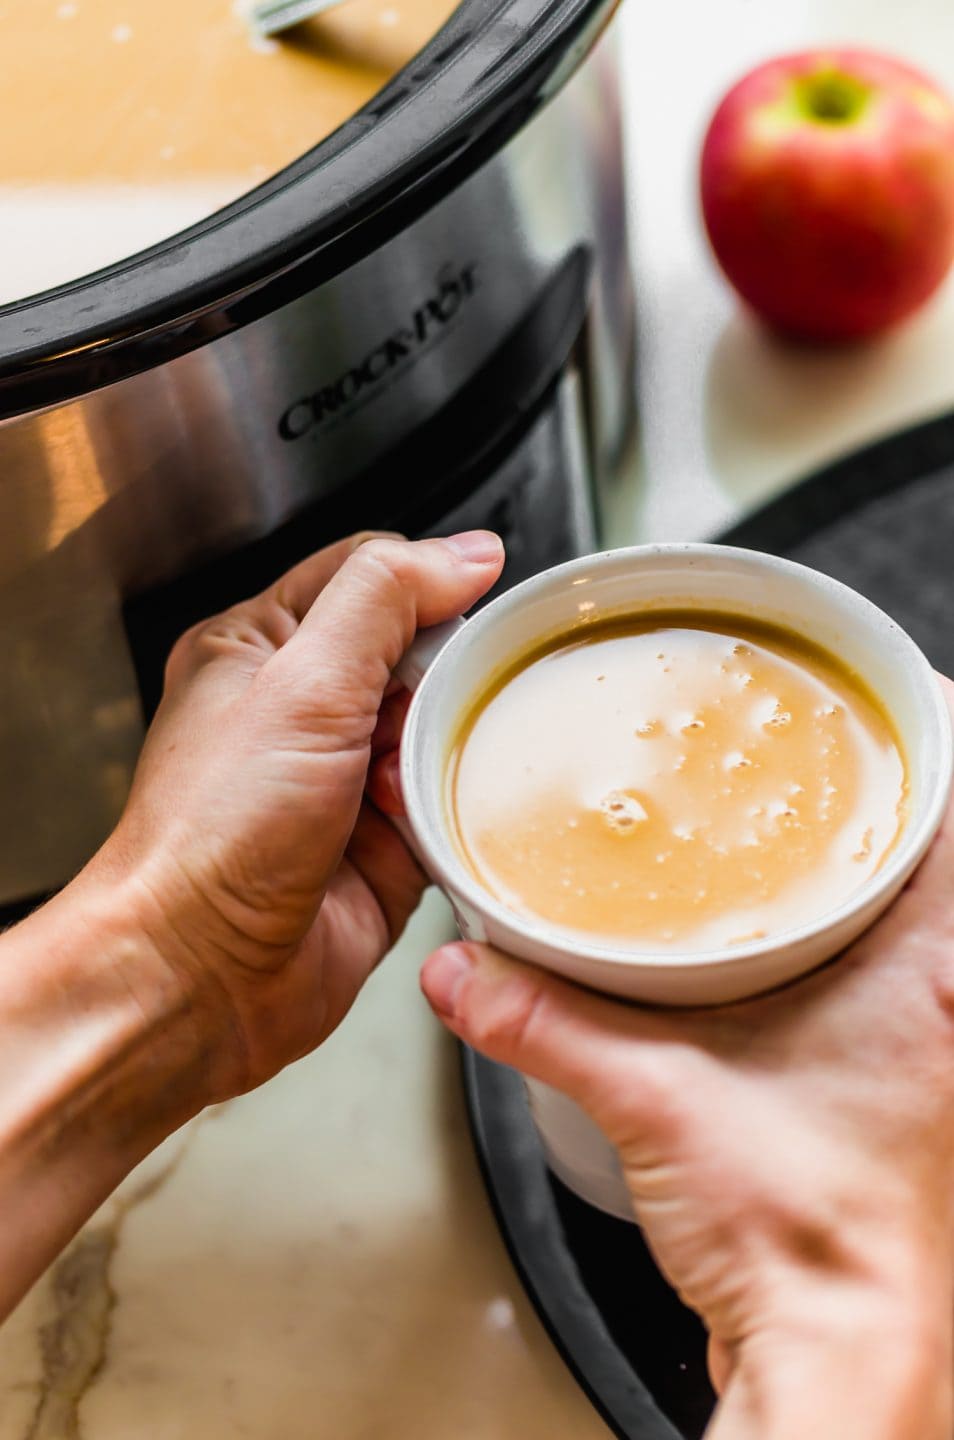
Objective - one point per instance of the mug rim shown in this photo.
(447, 868)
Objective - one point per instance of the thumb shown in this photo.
(340, 659)
(337, 664)
(613, 1059)
(318, 697)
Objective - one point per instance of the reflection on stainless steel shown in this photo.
(132, 485)
(540, 497)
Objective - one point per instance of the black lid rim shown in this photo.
(454, 106)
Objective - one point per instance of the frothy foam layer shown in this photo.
(677, 783)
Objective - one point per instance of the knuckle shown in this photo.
(229, 633)
(642, 1096)
(382, 560)
(224, 632)
(630, 1098)
(383, 595)
(515, 1017)
(187, 639)
(180, 657)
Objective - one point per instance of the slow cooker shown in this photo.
(423, 324)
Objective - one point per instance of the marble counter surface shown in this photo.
(318, 1259)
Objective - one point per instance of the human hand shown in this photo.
(248, 852)
(791, 1160)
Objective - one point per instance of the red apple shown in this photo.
(828, 191)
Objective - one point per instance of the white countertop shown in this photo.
(729, 415)
(319, 1259)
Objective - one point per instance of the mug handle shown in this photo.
(424, 650)
(418, 658)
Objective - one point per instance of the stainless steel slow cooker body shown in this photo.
(290, 368)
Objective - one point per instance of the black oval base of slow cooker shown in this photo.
(634, 1348)
(881, 520)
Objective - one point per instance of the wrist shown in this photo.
(103, 1056)
(125, 1027)
(150, 921)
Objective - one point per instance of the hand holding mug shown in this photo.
(791, 1159)
(248, 851)
(227, 925)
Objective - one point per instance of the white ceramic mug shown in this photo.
(452, 666)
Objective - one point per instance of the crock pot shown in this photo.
(425, 323)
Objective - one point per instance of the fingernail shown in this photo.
(444, 975)
(476, 546)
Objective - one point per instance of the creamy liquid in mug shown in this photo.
(678, 781)
(126, 120)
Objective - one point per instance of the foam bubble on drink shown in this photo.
(622, 811)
